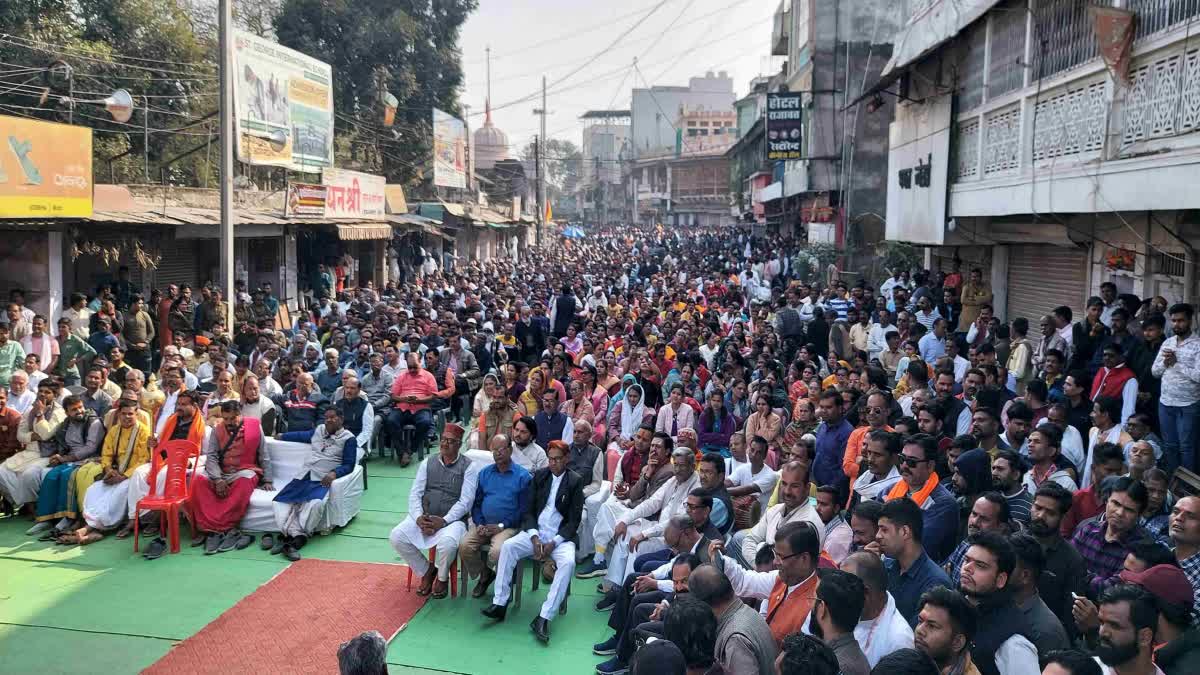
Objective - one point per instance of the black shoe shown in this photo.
(607, 602)
(280, 542)
(606, 648)
(228, 541)
(212, 544)
(156, 549)
(541, 629)
(290, 552)
(299, 541)
(496, 612)
(198, 539)
(243, 541)
(268, 541)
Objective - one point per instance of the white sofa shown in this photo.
(287, 459)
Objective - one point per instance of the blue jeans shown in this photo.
(1178, 425)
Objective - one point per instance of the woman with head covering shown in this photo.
(579, 406)
(624, 420)
(483, 399)
(530, 400)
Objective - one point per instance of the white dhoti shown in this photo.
(104, 505)
(411, 544)
(299, 518)
(587, 523)
(139, 484)
(21, 476)
(606, 517)
(620, 559)
(520, 546)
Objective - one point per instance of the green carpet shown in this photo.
(104, 609)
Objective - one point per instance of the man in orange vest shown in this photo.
(791, 587)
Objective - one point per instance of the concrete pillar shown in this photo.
(999, 281)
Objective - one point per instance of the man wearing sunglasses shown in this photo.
(921, 483)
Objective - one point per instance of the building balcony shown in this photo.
(781, 29)
(1074, 144)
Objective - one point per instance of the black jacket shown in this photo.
(568, 501)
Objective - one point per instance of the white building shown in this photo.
(1017, 149)
(655, 111)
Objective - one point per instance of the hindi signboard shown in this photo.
(449, 150)
(918, 171)
(785, 126)
(45, 169)
(283, 101)
(351, 194)
(305, 200)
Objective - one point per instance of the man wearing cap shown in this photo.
(438, 505)
(1177, 637)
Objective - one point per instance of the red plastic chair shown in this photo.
(453, 573)
(177, 488)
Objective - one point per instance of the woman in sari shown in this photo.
(530, 400)
(624, 420)
(579, 406)
(766, 423)
(605, 379)
(513, 388)
(599, 399)
(483, 399)
(804, 421)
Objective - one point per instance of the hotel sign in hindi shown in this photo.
(351, 194)
(785, 126)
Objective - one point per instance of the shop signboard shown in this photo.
(355, 195)
(305, 200)
(785, 126)
(283, 102)
(45, 169)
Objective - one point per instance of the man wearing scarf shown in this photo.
(300, 504)
(236, 462)
(21, 474)
(75, 441)
(126, 447)
(185, 424)
(919, 482)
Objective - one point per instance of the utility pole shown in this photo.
(228, 133)
(542, 171)
(470, 153)
(541, 209)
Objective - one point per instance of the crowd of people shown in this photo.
(765, 472)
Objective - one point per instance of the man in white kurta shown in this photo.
(438, 506)
(639, 531)
(547, 533)
(21, 475)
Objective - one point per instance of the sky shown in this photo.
(530, 38)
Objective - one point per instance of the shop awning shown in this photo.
(941, 22)
(362, 231)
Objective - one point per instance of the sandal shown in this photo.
(439, 591)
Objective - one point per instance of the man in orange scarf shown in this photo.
(184, 424)
(919, 482)
(236, 462)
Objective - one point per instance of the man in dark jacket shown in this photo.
(547, 532)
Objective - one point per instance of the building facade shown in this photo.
(1046, 165)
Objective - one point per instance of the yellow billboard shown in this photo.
(45, 169)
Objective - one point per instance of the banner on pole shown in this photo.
(449, 150)
(283, 103)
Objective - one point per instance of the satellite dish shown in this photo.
(119, 105)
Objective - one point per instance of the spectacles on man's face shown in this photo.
(784, 558)
(912, 461)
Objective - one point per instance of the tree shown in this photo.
(563, 163)
(406, 47)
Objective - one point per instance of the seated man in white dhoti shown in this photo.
(299, 505)
(548, 529)
(184, 424)
(126, 447)
(639, 530)
(438, 506)
(21, 475)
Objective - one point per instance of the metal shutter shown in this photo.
(178, 264)
(1043, 277)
